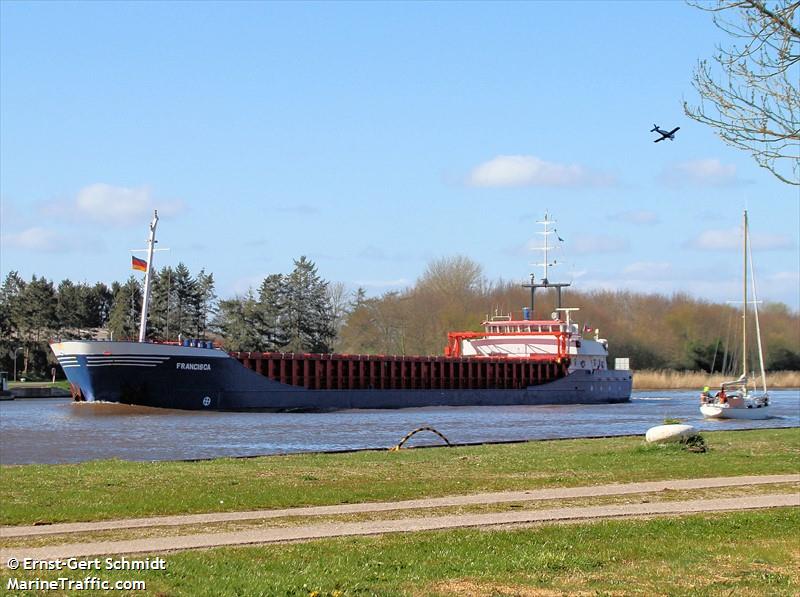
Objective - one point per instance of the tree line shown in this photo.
(302, 312)
(294, 313)
(655, 331)
(33, 312)
(288, 313)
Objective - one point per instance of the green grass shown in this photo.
(710, 494)
(103, 490)
(745, 553)
(62, 384)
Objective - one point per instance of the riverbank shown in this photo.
(668, 379)
(38, 389)
(112, 489)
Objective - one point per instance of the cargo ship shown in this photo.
(512, 361)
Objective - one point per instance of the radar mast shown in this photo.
(545, 283)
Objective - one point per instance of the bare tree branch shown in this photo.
(754, 101)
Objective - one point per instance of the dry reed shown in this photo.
(667, 379)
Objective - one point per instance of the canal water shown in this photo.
(56, 430)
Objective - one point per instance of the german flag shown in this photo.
(139, 264)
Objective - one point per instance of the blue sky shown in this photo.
(374, 137)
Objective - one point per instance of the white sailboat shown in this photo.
(734, 401)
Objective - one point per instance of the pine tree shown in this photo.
(39, 308)
(185, 294)
(237, 323)
(161, 301)
(70, 308)
(98, 299)
(38, 318)
(206, 300)
(11, 303)
(271, 313)
(10, 317)
(309, 314)
(127, 306)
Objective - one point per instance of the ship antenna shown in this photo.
(146, 299)
(546, 248)
(545, 283)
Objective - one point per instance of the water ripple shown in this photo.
(57, 430)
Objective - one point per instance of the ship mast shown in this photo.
(545, 283)
(146, 299)
(546, 233)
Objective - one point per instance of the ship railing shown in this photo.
(349, 372)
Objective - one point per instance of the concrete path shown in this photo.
(459, 500)
(317, 531)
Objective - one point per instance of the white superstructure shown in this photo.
(524, 338)
(528, 338)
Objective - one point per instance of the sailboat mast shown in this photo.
(758, 326)
(744, 304)
(146, 299)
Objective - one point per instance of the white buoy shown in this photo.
(669, 433)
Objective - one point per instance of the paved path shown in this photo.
(459, 500)
(317, 531)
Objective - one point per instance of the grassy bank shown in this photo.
(61, 384)
(667, 379)
(117, 489)
(747, 553)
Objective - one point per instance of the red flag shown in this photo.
(139, 264)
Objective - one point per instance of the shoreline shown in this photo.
(669, 379)
(424, 446)
(45, 494)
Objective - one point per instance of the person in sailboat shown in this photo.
(705, 395)
(721, 397)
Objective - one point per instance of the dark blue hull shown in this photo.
(198, 379)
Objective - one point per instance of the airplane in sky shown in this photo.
(664, 134)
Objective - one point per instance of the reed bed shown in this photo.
(667, 379)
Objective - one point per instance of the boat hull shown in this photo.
(207, 379)
(716, 411)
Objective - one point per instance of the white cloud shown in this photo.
(531, 171)
(399, 282)
(709, 172)
(373, 253)
(716, 240)
(117, 206)
(303, 209)
(588, 244)
(37, 239)
(648, 269)
(705, 279)
(731, 239)
(241, 286)
(771, 242)
(113, 204)
(640, 216)
(121, 205)
(792, 277)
